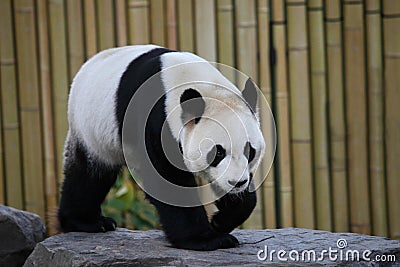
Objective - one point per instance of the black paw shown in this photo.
(210, 242)
(102, 224)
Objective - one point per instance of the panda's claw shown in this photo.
(108, 223)
(101, 225)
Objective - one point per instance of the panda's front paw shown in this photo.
(101, 224)
(211, 242)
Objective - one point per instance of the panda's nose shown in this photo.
(237, 184)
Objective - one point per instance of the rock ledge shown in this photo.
(149, 248)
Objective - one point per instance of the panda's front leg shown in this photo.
(188, 228)
(233, 210)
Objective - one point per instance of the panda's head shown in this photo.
(220, 140)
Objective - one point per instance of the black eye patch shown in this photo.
(249, 152)
(216, 155)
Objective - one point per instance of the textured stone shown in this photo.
(149, 248)
(19, 233)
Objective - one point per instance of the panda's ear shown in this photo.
(250, 94)
(192, 104)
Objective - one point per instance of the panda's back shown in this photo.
(92, 101)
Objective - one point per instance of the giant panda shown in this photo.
(186, 114)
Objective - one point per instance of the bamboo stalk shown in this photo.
(157, 18)
(319, 116)
(47, 113)
(31, 134)
(391, 23)
(205, 29)
(138, 21)
(76, 53)
(282, 115)
(105, 24)
(2, 171)
(356, 117)
(300, 115)
(225, 37)
(376, 118)
(263, 20)
(89, 11)
(185, 25)
(246, 44)
(171, 24)
(337, 129)
(11, 147)
(121, 22)
(59, 79)
(268, 189)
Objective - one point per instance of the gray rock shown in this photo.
(19, 233)
(149, 248)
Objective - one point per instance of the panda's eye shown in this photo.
(216, 155)
(249, 152)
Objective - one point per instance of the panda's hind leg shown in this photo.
(86, 184)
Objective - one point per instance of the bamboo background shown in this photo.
(329, 69)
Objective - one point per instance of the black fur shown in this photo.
(193, 106)
(87, 180)
(216, 155)
(250, 95)
(233, 210)
(249, 152)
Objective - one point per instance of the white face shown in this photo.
(224, 148)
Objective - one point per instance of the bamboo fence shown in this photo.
(328, 69)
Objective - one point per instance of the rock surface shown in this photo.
(19, 233)
(149, 248)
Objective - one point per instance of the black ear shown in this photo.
(192, 105)
(250, 94)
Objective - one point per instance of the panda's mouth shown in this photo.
(238, 188)
(227, 188)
